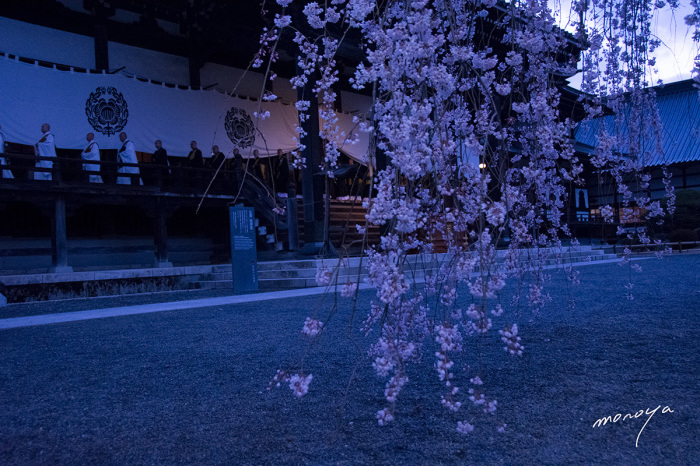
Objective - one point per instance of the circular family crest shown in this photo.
(106, 110)
(240, 128)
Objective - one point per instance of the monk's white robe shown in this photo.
(3, 161)
(92, 152)
(127, 154)
(44, 148)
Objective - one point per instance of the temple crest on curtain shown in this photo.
(106, 110)
(240, 128)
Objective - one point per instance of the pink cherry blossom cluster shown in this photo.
(348, 290)
(324, 275)
(298, 383)
(384, 416)
(463, 427)
(479, 399)
(467, 110)
(509, 336)
(312, 327)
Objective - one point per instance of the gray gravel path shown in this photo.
(190, 386)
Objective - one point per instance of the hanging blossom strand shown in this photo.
(468, 113)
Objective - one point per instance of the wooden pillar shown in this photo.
(195, 62)
(100, 35)
(195, 79)
(160, 237)
(101, 47)
(312, 181)
(59, 238)
(292, 219)
(380, 161)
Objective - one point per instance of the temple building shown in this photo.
(178, 72)
(673, 148)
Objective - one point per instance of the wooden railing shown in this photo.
(175, 178)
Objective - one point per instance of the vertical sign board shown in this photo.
(244, 259)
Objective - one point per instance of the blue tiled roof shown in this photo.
(679, 111)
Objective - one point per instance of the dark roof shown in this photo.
(679, 112)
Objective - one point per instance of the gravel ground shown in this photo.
(191, 386)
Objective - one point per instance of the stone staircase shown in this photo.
(282, 275)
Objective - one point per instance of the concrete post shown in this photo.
(292, 219)
(59, 238)
(161, 236)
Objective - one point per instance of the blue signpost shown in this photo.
(244, 259)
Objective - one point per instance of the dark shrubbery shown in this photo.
(71, 290)
(682, 234)
(687, 214)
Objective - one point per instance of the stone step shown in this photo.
(302, 273)
(213, 285)
(285, 283)
(221, 268)
(281, 274)
(307, 269)
(312, 264)
(218, 276)
(268, 281)
(306, 273)
(304, 278)
(291, 283)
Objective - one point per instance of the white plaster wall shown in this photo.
(169, 27)
(355, 103)
(150, 64)
(41, 43)
(75, 5)
(227, 78)
(125, 16)
(284, 90)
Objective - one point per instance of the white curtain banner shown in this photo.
(76, 103)
(351, 141)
